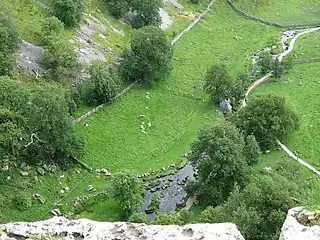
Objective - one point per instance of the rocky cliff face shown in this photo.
(293, 229)
(62, 228)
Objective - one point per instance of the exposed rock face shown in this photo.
(62, 228)
(293, 230)
(30, 57)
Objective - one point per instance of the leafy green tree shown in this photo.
(118, 8)
(219, 159)
(218, 83)
(146, 12)
(277, 69)
(150, 56)
(288, 63)
(265, 62)
(126, 188)
(267, 118)
(259, 209)
(251, 150)
(69, 11)
(36, 123)
(60, 57)
(9, 41)
(106, 80)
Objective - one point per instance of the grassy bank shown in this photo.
(308, 46)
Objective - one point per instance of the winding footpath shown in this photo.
(266, 77)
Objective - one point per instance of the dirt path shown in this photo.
(266, 77)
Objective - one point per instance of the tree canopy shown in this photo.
(146, 12)
(259, 209)
(69, 11)
(150, 56)
(106, 81)
(267, 118)
(218, 155)
(126, 188)
(35, 124)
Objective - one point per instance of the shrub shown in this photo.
(69, 11)
(138, 217)
(106, 81)
(22, 201)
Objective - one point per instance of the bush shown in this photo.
(9, 41)
(168, 219)
(22, 201)
(149, 58)
(106, 81)
(52, 27)
(195, 1)
(146, 13)
(69, 11)
(138, 217)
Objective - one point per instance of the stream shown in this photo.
(170, 191)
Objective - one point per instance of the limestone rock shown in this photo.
(293, 230)
(90, 230)
(40, 171)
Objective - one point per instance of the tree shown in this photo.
(126, 189)
(252, 150)
(146, 12)
(149, 58)
(265, 62)
(106, 81)
(259, 209)
(118, 8)
(9, 41)
(277, 69)
(69, 11)
(60, 57)
(219, 159)
(35, 124)
(267, 118)
(218, 83)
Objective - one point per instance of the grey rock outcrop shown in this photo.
(293, 230)
(62, 228)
